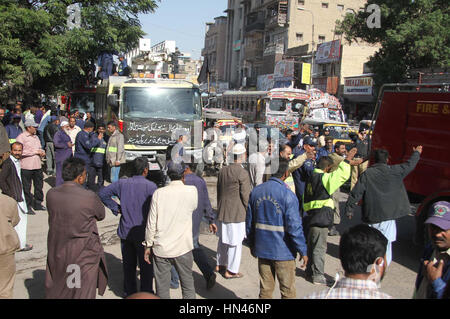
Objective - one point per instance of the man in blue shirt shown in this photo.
(14, 128)
(327, 149)
(98, 159)
(275, 233)
(301, 174)
(84, 142)
(135, 195)
(122, 65)
(79, 122)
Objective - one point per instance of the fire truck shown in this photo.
(81, 99)
(408, 115)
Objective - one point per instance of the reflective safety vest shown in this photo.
(317, 202)
(112, 149)
(98, 154)
(98, 150)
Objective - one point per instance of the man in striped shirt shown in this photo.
(362, 251)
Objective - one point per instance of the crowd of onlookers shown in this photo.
(280, 199)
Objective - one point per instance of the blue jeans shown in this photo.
(115, 170)
(132, 252)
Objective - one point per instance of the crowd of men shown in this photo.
(279, 199)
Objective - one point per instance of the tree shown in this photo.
(40, 54)
(413, 34)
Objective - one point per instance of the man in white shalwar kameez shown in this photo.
(233, 192)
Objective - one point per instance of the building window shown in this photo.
(324, 5)
(299, 37)
(301, 2)
(340, 7)
(321, 38)
(323, 70)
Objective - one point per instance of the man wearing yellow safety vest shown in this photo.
(115, 151)
(98, 159)
(318, 207)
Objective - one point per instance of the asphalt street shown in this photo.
(30, 275)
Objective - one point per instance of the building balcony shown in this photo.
(276, 21)
(254, 51)
(257, 26)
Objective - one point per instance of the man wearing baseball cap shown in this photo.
(434, 272)
(301, 174)
(31, 165)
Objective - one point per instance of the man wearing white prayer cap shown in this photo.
(233, 192)
(63, 149)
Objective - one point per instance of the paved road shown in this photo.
(29, 284)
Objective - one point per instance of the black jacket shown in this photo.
(382, 190)
(49, 132)
(9, 181)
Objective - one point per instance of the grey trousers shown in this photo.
(317, 248)
(183, 265)
(50, 155)
(337, 212)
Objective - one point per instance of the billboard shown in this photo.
(306, 73)
(328, 52)
(284, 71)
(358, 85)
(265, 82)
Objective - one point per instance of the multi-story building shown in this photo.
(214, 50)
(263, 32)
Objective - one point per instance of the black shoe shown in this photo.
(30, 211)
(39, 207)
(333, 232)
(320, 281)
(211, 281)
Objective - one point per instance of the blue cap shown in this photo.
(308, 140)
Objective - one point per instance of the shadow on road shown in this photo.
(51, 180)
(115, 274)
(36, 285)
(217, 292)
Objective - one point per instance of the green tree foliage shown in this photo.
(413, 34)
(40, 54)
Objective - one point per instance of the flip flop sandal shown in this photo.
(27, 248)
(238, 275)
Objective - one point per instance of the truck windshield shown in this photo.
(339, 132)
(83, 102)
(167, 103)
(277, 105)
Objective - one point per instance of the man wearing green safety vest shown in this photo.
(115, 151)
(98, 159)
(318, 206)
